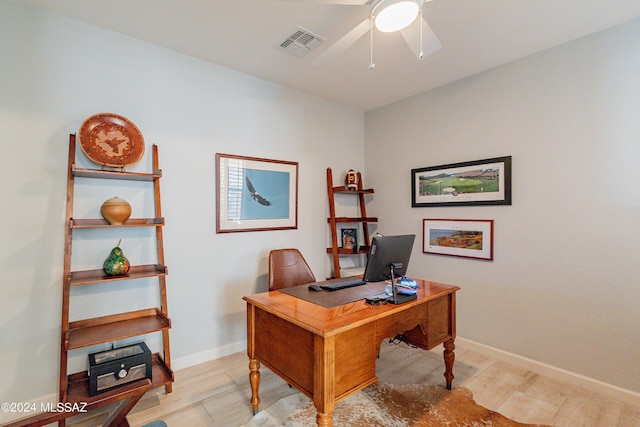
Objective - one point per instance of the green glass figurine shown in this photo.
(116, 263)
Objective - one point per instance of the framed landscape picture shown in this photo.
(480, 182)
(458, 237)
(255, 194)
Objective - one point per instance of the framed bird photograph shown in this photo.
(255, 194)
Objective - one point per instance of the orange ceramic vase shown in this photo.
(116, 211)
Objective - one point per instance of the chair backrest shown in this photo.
(288, 268)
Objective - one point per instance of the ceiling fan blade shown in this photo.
(430, 42)
(343, 43)
(344, 2)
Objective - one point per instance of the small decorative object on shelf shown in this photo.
(116, 211)
(116, 263)
(111, 140)
(351, 180)
(350, 239)
(120, 366)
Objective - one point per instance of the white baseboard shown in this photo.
(208, 355)
(558, 374)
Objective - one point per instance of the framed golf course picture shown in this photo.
(479, 182)
(467, 238)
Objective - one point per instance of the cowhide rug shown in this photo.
(382, 405)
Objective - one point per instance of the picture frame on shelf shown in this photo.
(349, 239)
(458, 237)
(255, 194)
(479, 182)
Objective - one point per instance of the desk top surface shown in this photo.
(328, 321)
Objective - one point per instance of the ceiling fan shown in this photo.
(387, 16)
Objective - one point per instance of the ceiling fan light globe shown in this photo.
(396, 15)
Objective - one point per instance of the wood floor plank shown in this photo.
(588, 409)
(495, 384)
(152, 407)
(546, 389)
(192, 416)
(527, 409)
(629, 416)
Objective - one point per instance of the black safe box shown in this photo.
(117, 367)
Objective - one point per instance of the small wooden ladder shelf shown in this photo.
(335, 250)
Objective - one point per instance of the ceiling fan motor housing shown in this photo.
(394, 15)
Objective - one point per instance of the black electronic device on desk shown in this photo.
(388, 260)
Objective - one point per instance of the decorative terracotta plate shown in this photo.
(111, 140)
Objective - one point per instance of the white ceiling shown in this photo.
(244, 34)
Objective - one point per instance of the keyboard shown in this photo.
(342, 283)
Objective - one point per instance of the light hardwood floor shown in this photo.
(217, 393)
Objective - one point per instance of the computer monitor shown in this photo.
(387, 250)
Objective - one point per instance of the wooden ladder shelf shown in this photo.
(79, 334)
(363, 221)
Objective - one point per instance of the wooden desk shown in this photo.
(330, 353)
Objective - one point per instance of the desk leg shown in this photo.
(254, 379)
(449, 357)
(323, 420)
(324, 379)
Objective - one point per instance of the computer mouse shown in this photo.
(314, 288)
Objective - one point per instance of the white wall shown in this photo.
(54, 73)
(564, 288)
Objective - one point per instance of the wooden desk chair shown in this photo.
(288, 268)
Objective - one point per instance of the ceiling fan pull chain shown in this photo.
(371, 64)
(421, 38)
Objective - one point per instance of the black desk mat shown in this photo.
(331, 299)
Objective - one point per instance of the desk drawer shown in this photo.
(440, 324)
